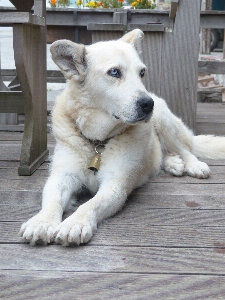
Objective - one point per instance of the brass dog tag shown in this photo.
(95, 163)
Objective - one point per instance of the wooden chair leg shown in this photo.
(30, 59)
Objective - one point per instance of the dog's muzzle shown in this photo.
(144, 108)
(146, 105)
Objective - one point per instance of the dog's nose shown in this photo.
(146, 105)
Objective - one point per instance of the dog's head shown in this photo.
(109, 74)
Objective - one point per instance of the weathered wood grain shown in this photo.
(150, 217)
(35, 184)
(109, 259)
(217, 176)
(217, 128)
(13, 152)
(17, 136)
(11, 102)
(54, 285)
(211, 67)
(184, 189)
(9, 18)
(179, 60)
(23, 199)
(14, 164)
(139, 234)
(173, 9)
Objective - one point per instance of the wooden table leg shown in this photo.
(30, 59)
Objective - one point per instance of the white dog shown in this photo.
(105, 112)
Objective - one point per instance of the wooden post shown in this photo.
(205, 32)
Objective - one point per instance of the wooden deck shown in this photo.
(167, 243)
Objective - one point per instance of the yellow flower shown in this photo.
(79, 2)
(133, 4)
(139, 1)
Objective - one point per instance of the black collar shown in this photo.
(96, 142)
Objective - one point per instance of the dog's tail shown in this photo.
(209, 146)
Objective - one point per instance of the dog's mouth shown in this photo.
(144, 119)
(116, 117)
(142, 112)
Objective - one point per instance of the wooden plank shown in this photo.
(15, 164)
(52, 75)
(105, 259)
(147, 27)
(209, 119)
(151, 48)
(210, 128)
(212, 19)
(151, 217)
(21, 199)
(81, 17)
(12, 174)
(39, 8)
(211, 67)
(15, 284)
(12, 152)
(10, 18)
(11, 102)
(217, 176)
(211, 110)
(36, 184)
(213, 87)
(173, 9)
(179, 58)
(205, 79)
(106, 27)
(139, 16)
(30, 43)
(177, 189)
(16, 136)
(139, 234)
(187, 217)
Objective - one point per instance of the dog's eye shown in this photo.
(114, 73)
(142, 73)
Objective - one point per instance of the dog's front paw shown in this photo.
(198, 169)
(75, 230)
(174, 165)
(38, 230)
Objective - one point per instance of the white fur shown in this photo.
(97, 106)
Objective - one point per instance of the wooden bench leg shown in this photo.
(30, 59)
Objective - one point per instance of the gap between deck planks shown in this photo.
(167, 243)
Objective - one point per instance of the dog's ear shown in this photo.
(133, 37)
(70, 58)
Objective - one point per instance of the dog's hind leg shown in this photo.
(173, 164)
(175, 137)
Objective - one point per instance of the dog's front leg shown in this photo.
(82, 224)
(56, 195)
